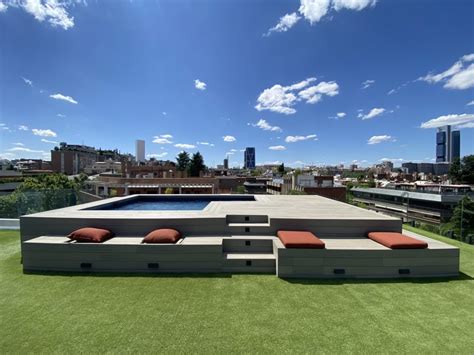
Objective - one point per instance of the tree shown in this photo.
(196, 165)
(467, 169)
(182, 161)
(455, 171)
(462, 220)
(281, 168)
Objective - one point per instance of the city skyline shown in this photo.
(278, 78)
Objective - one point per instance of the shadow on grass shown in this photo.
(344, 281)
(128, 274)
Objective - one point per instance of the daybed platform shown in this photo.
(341, 258)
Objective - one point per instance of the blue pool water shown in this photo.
(163, 206)
(164, 203)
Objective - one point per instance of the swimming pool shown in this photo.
(169, 203)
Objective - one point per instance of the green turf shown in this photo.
(220, 314)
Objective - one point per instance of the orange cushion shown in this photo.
(162, 236)
(91, 235)
(300, 239)
(397, 240)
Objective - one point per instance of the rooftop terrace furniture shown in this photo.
(300, 239)
(90, 235)
(397, 240)
(163, 235)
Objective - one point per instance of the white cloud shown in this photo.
(185, 146)
(293, 139)
(63, 98)
(276, 99)
(393, 160)
(471, 103)
(314, 10)
(280, 98)
(18, 144)
(286, 22)
(459, 76)
(163, 139)
(27, 81)
(43, 132)
(355, 5)
(368, 83)
(159, 155)
(206, 143)
(379, 139)
(23, 128)
(200, 85)
(26, 150)
(262, 124)
(53, 11)
(341, 114)
(164, 113)
(373, 113)
(464, 120)
(48, 141)
(229, 139)
(61, 115)
(277, 147)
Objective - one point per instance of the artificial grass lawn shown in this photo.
(243, 313)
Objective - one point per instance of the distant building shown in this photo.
(226, 163)
(448, 145)
(249, 158)
(431, 203)
(72, 159)
(140, 150)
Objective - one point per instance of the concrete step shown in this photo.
(240, 225)
(249, 263)
(247, 245)
(233, 218)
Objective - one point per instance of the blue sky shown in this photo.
(313, 82)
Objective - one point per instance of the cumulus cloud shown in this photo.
(26, 150)
(55, 12)
(459, 76)
(185, 146)
(23, 128)
(293, 139)
(19, 144)
(206, 143)
(315, 10)
(48, 141)
(379, 139)
(263, 124)
(200, 85)
(229, 139)
(43, 132)
(376, 111)
(61, 115)
(368, 83)
(465, 120)
(399, 160)
(159, 155)
(341, 114)
(277, 147)
(281, 99)
(163, 139)
(471, 103)
(63, 98)
(286, 22)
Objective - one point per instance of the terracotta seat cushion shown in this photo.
(90, 235)
(164, 235)
(397, 240)
(300, 239)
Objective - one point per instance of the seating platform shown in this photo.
(342, 257)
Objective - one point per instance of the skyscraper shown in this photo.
(226, 163)
(249, 158)
(448, 144)
(140, 150)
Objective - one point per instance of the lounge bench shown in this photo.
(300, 239)
(397, 240)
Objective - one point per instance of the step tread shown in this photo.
(250, 237)
(248, 224)
(249, 256)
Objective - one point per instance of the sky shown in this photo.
(304, 82)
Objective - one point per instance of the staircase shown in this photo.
(248, 225)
